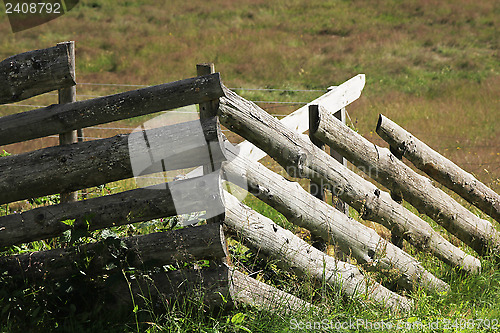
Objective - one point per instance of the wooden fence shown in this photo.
(80, 165)
(71, 167)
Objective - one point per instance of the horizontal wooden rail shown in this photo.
(36, 72)
(144, 204)
(439, 167)
(141, 252)
(301, 158)
(262, 234)
(86, 164)
(304, 210)
(61, 118)
(381, 165)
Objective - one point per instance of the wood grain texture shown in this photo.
(381, 165)
(61, 118)
(86, 164)
(143, 204)
(68, 95)
(36, 72)
(291, 252)
(108, 256)
(439, 167)
(354, 238)
(300, 158)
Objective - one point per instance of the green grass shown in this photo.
(431, 66)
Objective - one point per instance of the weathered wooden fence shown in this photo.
(201, 144)
(70, 167)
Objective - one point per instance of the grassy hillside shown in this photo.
(432, 66)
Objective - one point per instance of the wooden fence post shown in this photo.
(207, 110)
(396, 237)
(68, 95)
(315, 189)
(336, 201)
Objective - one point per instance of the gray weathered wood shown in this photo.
(290, 251)
(61, 118)
(140, 252)
(381, 165)
(144, 204)
(354, 238)
(36, 72)
(440, 168)
(68, 95)
(86, 164)
(340, 115)
(301, 158)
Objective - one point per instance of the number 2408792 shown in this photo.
(33, 8)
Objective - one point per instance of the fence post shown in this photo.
(396, 237)
(315, 189)
(336, 202)
(68, 95)
(208, 109)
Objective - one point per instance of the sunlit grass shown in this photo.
(431, 66)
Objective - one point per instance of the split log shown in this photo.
(381, 165)
(61, 118)
(354, 238)
(141, 252)
(439, 167)
(292, 252)
(301, 158)
(36, 72)
(144, 204)
(86, 164)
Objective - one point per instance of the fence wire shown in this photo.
(269, 105)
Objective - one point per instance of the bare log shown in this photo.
(247, 290)
(36, 72)
(292, 252)
(86, 164)
(68, 95)
(144, 204)
(354, 238)
(61, 118)
(140, 252)
(380, 164)
(301, 158)
(439, 167)
(206, 111)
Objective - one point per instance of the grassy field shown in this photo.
(431, 66)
